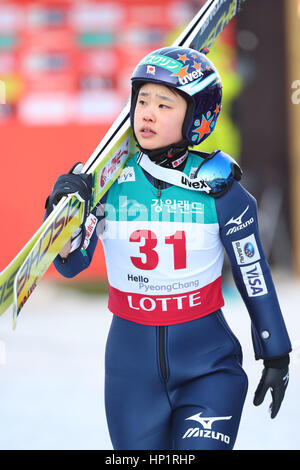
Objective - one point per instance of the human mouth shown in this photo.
(147, 132)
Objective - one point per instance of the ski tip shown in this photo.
(204, 50)
(239, 5)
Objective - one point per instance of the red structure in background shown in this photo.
(66, 68)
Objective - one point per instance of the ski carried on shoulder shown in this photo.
(22, 275)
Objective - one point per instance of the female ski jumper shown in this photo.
(174, 377)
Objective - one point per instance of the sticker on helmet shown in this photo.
(165, 62)
(151, 69)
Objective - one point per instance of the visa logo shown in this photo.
(254, 280)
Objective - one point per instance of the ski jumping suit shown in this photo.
(174, 377)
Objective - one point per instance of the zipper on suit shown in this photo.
(161, 329)
(159, 187)
(161, 352)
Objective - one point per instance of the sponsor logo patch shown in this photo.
(254, 280)
(246, 250)
(206, 431)
(238, 223)
(189, 77)
(90, 225)
(127, 175)
(162, 61)
(201, 185)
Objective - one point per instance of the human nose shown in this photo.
(149, 114)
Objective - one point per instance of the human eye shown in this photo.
(141, 101)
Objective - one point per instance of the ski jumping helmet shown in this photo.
(194, 76)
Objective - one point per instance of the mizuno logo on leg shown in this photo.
(206, 430)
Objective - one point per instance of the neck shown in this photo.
(172, 156)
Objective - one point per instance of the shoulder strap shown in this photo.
(175, 177)
(214, 175)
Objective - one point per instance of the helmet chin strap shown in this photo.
(171, 156)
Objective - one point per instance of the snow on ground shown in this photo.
(52, 373)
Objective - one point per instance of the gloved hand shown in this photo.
(72, 183)
(275, 376)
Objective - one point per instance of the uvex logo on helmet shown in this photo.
(189, 77)
(194, 76)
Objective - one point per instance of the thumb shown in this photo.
(77, 168)
(260, 392)
(277, 397)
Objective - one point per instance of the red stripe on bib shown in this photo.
(166, 309)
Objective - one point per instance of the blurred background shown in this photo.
(65, 68)
(64, 77)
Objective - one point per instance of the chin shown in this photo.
(148, 146)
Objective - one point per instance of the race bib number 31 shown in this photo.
(149, 258)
